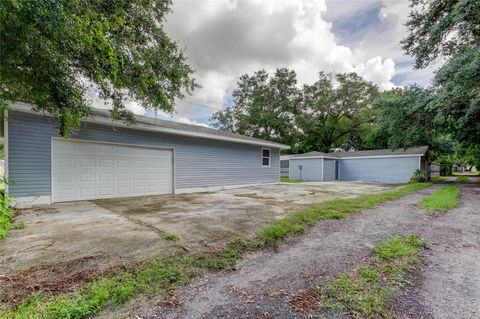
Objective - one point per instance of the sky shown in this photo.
(225, 39)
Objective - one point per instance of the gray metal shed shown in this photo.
(373, 166)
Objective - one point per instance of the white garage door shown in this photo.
(88, 170)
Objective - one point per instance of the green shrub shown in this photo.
(6, 211)
(419, 176)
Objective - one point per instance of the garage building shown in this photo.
(371, 166)
(107, 159)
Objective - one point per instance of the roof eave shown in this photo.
(27, 108)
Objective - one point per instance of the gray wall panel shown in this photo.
(311, 169)
(198, 162)
(389, 169)
(329, 170)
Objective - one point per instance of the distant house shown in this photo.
(372, 166)
(149, 158)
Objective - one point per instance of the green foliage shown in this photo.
(361, 293)
(286, 180)
(399, 246)
(441, 200)
(264, 106)
(441, 29)
(437, 179)
(457, 97)
(333, 111)
(449, 109)
(55, 52)
(170, 236)
(420, 176)
(333, 209)
(6, 211)
(406, 117)
(462, 179)
(469, 154)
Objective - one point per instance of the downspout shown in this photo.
(323, 166)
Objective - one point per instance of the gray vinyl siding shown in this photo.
(311, 169)
(329, 170)
(387, 169)
(198, 162)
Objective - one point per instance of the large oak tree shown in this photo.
(52, 51)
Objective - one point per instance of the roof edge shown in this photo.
(27, 108)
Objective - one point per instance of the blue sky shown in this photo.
(227, 38)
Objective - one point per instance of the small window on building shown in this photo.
(266, 156)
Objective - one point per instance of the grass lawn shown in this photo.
(165, 273)
(437, 179)
(462, 178)
(366, 291)
(286, 180)
(445, 198)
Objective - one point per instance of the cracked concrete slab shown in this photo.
(125, 230)
(65, 231)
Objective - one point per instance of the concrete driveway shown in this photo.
(116, 231)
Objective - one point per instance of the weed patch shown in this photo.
(366, 291)
(462, 179)
(437, 179)
(160, 275)
(445, 198)
(6, 212)
(19, 225)
(286, 180)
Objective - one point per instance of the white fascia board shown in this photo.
(25, 107)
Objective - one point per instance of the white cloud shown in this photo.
(225, 39)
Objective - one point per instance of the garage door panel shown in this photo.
(66, 178)
(123, 163)
(86, 177)
(87, 162)
(89, 170)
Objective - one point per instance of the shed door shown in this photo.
(89, 170)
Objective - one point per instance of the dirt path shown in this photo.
(448, 286)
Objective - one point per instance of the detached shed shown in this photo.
(373, 166)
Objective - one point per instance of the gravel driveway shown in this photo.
(447, 287)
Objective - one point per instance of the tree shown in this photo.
(264, 107)
(441, 28)
(52, 51)
(335, 110)
(406, 117)
(457, 92)
(450, 108)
